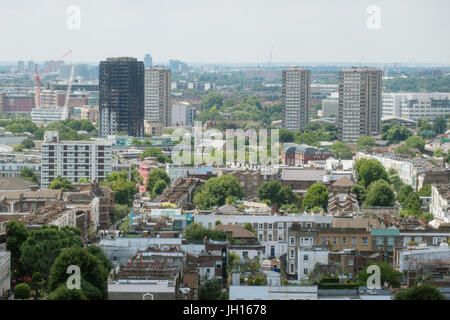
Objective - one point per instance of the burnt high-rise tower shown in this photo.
(121, 97)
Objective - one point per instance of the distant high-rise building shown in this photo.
(148, 61)
(20, 67)
(121, 97)
(30, 66)
(157, 96)
(359, 103)
(296, 83)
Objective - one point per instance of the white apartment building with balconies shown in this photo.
(74, 160)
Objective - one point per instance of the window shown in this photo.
(292, 268)
(280, 237)
(335, 242)
(350, 261)
(263, 250)
(292, 241)
(260, 237)
(291, 253)
(280, 225)
(305, 271)
(260, 226)
(418, 239)
(269, 237)
(406, 240)
(305, 257)
(380, 241)
(353, 241)
(245, 254)
(208, 270)
(218, 264)
(365, 241)
(270, 226)
(391, 241)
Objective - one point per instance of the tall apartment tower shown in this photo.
(360, 101)
(295, 92)
(148, 61)
(121, 97)
(157, 96)
(74, 160)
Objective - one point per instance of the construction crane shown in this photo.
(66, 101)
(39, 75)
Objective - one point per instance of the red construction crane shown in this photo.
(38, 77)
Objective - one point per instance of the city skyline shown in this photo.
(249, 32)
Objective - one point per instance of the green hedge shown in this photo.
(329, 280)
(338, 285)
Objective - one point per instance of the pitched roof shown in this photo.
(236, 231)
(343, 182)
(296, 174)
(16, 184)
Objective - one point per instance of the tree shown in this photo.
(28, 174)
(28, 143)
(413, 206)
(210, 100)
(396, 134)
(269, 191)
(425, 191)
(124, 190)
(396, 182)
(154, 152)
(120, 211)
(415, 142)
(196, 231)
(22, 291)
(276, 193)
(440, 125)
(290, 208)
(16, 234)
(154, 176)
(92, 270)
(316, 196)
(438, 153)
(360, 192)
(286, 136)
(216, 190)
(210, 289)
(44, 245)
(64, 293)
(404, 192)
(97, 252)
(388, 274)
(380, 194)
(125, 225)
(159, 187)
(18, 148)
(368, 171)
(60, 183)
(365, 142)
(249, 227)
(425, 291)
(204, 200)
(36, 284)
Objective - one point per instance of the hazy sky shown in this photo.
(228, 30)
